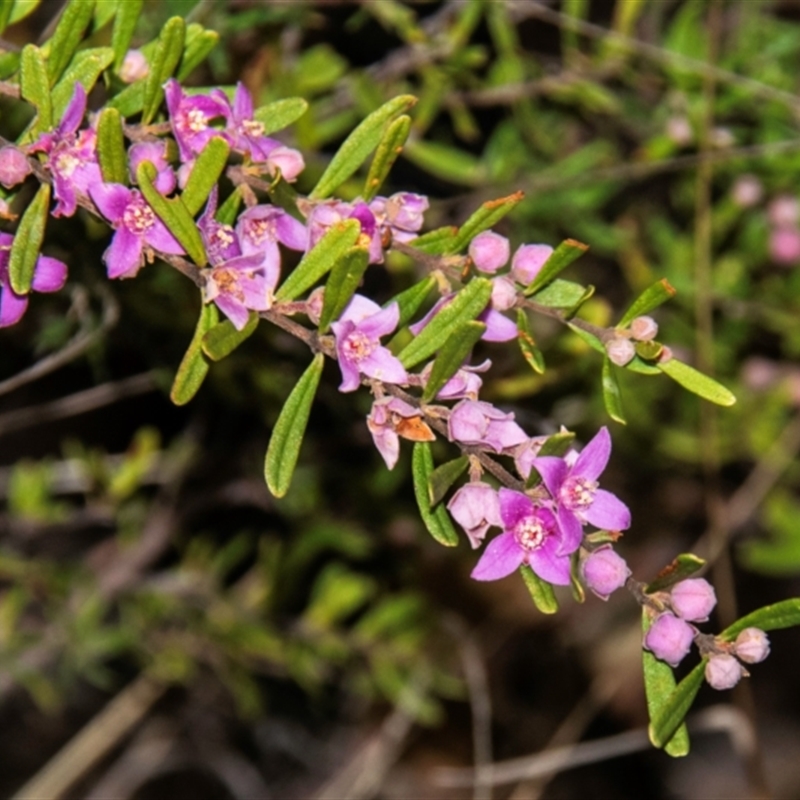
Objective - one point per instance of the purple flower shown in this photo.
(401, 214)
(136, 226)
(14, 166)
(221, 241)
(489, 251)
(238, 286)
(71, 156)
(669, 638)
(723, 671)
(156, 154)
(466, 383)
(752, 645)
(191, 117)
(693, 599)
(476, 507)
(391, 418)
(531, 536)
(574, 489)
(327, 213)
(604, 571)
(49, 275)
(358, 346)
(477, 423)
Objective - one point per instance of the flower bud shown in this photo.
(604, 571)
(693, 599)
(747, 191)
(644, 329)
(784, 245)
(723, 671)
(784, 211)
(669, 638)
(134, 67)
(489, 251)
(476, 507)
(14, 167)
(752, 645)
(528, 260)
(620, 351)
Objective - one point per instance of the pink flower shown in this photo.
(478, 423)
(476, 507)
(391, 418)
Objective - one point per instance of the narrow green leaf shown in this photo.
(447, 162)
(412, 298)
(194, 368)
(491, 212)
(437, 242)
(785, 614)
(530, 352)
(670, 715)
(437, 521)
(75, 18)
(130, 100)
(280, 114)
(652, 297)
(199, 43)
(659, 683)
(86, 68)
(173, 213)
(338, 239)
(9, 64)
(557, 445)
(165, 58)
(443, 477)
(636, 365)
(35, 87)
(390, 147)
(287, 436)
(682, 567)
(229, 210)
(542, 594)
(561, 294)
(205, 174)
(28, 241)
(221, 340)
(612, 398)
(22, 8)
(451, 356)
(346, 275)
(567, 252)
(111, 147)
(125, 20)
(6, 7)
(696, 382)
(464, 307)
(358, 145)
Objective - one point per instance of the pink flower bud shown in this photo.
(14, 167)
(644, 329)
(784, 245)
(476, 507)
(723, 672)
(669, 638)
(752, 645)
(604, 572)
(134, 67)
(679, 129)
(693, 599)
(620, 351)
(747, 191)
(504, 293)
(314, 304)
(784, 211)
(489, 251)
(528, 261)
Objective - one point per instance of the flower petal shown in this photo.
(550, 566)
(111, 199)
(594, 457)
(123, 257)
(514, 506)
(608, 512)
(501, 557)
(383, 366)
(381, 323)
(571, 531)
(12, 307)
(50, 274)
(553, 471)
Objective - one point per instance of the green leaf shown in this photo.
(75, 18)
(221, 340)
(205, 173)
(443, 477)
(194, 368)
(173, 213)
(682, 567)
(530, 352)
(28, 241)
(35, 87)
(125, 20)
(346, 275)
(451, 356)
(464, 307)
(6, 7)
(229, 210)
(199, 43)
(338, 239)
(437, 521)
(412, 298)
(652, 297)
(287, 436)
(437, 242)
(665, 722)
(130, 100)
(491, 212)
(390, 147)
(557, 445)
(696, 382)
(111, 147)
(562, 294)
(447, 162)
(635, 365)
(358, 145)
(167, 54)
(785, 614)
(86, 68)
(22, 8)
(612, 398)
(649, 351)
(542, 594)
(567, 252)
(280, 114)
(659, 683)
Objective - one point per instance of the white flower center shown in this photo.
(138, 217)
(530, 533)
(252, 127)
(358, 346)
